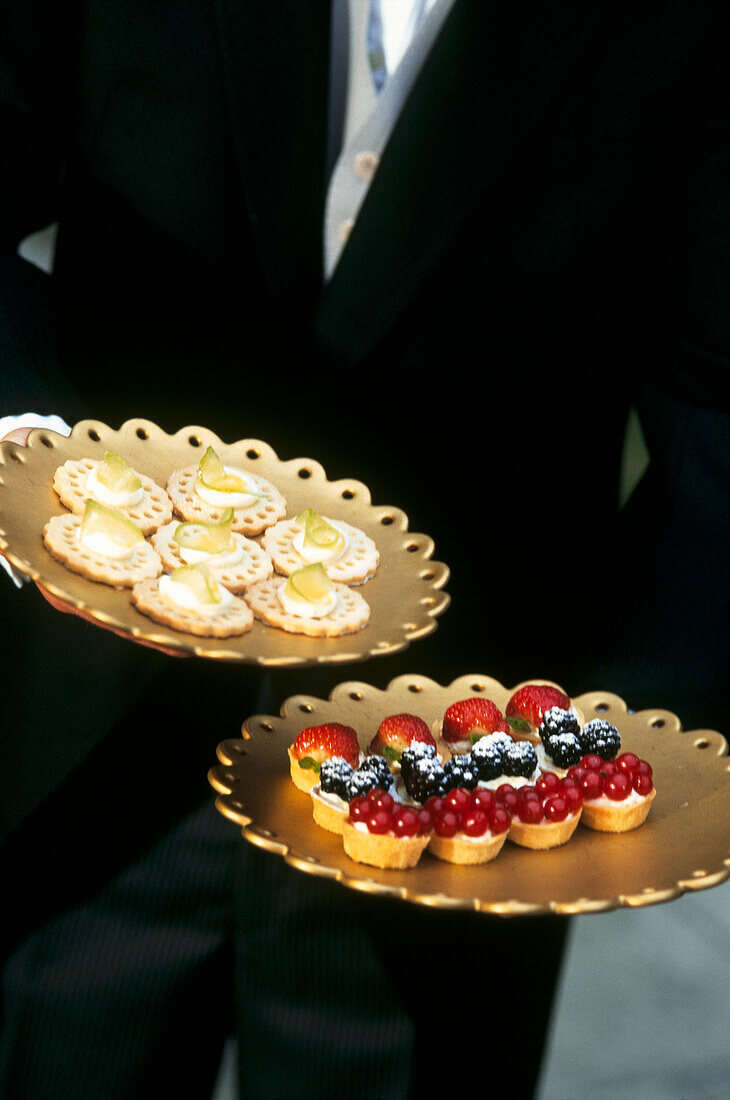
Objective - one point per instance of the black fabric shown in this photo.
(544, 246)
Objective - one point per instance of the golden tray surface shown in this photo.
(684, 844)
(405, 594)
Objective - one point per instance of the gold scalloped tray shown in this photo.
(684, 844)
(405, 595)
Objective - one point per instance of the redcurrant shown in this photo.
(379, 821)
(617, 787)
(405, 822)
(500, 819)
(643, 784)
(530, 812)
(446, 824)
(556, 808)
(591, 786)
(474, 823)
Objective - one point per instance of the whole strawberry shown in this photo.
(467, 720)
(527, 705)
(317, 743)
(396, 732)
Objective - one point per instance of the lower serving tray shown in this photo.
(684, 845)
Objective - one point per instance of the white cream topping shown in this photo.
(181, 595)
(630, 800)
(215, 561)
(99, 543)
(305, 609)
(515, 780)
(486, 835)
(329, 798)
(220, 499)
(321, 553)
(105, 495)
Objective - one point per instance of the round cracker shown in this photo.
(60, 536)
(69, 482)
(251, 520)
(350, 615)
(255, 565)
(235, 619)
(355, 566)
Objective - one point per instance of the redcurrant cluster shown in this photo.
(550, 799)
(381, 813)
(473, 813)
(612, 779)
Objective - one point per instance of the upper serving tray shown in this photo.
(405, 595)
(684, 844)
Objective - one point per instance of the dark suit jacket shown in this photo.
(544, 244)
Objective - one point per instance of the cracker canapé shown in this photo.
(351, 614)
(355, 566)
(70, 483)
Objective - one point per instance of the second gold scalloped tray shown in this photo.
(684, 844)
(405, 595)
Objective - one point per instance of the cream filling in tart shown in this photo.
(181, 595)
(215, 561)
(100, 543)
(312, 553)
(306, 609)
(219, 499)
(96, 488)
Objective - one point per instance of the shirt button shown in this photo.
(365, 164)
(345, 229)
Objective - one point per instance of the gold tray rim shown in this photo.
(426, 601)
(228, 780)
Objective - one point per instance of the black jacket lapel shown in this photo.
(493, 80)
(275, 56)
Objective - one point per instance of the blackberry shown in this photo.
(488, 753)
(378, 766)
(360, 782)
(564, 749)
(520, 759)
(334, 776)
(423, 777)
(417, 750)
(462, 771)
(556, 721)
(601, 737)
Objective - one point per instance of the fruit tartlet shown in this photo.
(384, 833)
(318, 743)
(544, 815)
(398, 732)
(113, 482)
(191, 600)
(617, 794)
(526, 706)
(466, 720)
(234, 560)
(347, 553)
(202, 493)
(564, 741)
(103, 544)
(339, 783)
(469, 827)
(308, 602)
